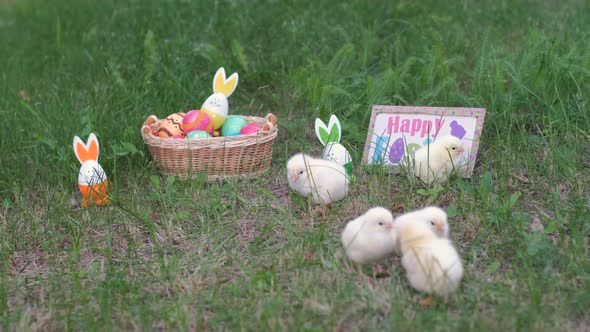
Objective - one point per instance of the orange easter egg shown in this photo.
(171, 126)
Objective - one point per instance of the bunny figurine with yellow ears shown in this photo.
(217, 106)
(329, 136)
(92, 179)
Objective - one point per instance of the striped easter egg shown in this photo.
(171, 126)
(197, 120)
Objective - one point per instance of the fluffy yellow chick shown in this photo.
(368, 238)
(432, 264)
(325, 180)
(435, 162)
(434, 217)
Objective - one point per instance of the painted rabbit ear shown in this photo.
(88, 151)
(321, 131)
(329, 134)
(335, 129)
(224, 85)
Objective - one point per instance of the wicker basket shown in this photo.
(218, 157)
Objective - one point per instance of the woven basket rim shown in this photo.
(166, 151)
(212, 142)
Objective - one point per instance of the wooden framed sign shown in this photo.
(395, 132)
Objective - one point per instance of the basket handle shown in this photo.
(271, 122)
(151, 120)
(146, 130)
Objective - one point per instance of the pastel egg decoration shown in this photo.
(197, 134)
(197, 120)
(412, 147)
(233, 125)
(217, 119)
(250, 128)
(217, 105)
(397, 151)
(171, 126)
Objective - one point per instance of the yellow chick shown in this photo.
(368, 238)
(435, 162)
(432, 216)
(325, 180)
(431, 263)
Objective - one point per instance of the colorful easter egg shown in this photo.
(216, 118)
(197, 120)
(397, 151)
(197, 134)
(250, 128)
(412, 147)
(233, 125)
(171, 126)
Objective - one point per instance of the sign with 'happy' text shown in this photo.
(396, 132)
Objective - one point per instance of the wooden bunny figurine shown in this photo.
(92, 179)
(329, 136)
(217, 105)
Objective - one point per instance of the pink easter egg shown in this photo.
(250, 128)
(197, 120)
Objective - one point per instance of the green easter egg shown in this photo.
(233, 125)
(197, 134)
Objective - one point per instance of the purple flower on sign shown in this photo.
(397, 151)
(457, 130)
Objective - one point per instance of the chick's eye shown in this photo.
(454, 148)
(380, 223)
(432, 223)
(300, 172)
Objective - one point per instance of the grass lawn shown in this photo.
(245, 255)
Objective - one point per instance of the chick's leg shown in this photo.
(428, 301)
(380, 272)
(321, 210)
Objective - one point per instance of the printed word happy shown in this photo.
(413, 126)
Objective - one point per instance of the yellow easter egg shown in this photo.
(216, 118)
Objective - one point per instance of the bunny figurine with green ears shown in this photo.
(329, 136)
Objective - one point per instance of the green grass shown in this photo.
(244, 255)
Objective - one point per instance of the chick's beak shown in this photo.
(388, 227)
(440, 228)
(294, 176)
(461, 149)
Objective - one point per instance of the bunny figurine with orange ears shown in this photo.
(329, 136)
(92, 179)
(217, 106)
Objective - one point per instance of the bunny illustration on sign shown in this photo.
(329, 136)
(217, 106)
(92, 179)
